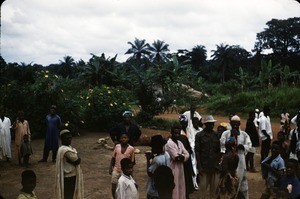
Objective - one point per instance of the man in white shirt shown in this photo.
(265, 133)
(190, 114)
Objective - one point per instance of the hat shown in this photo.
(209, 118)
(157, 140)
(235, 118)
(127, 113)
(224, 124)
(183, 118)
(65, 131)
(257, 110)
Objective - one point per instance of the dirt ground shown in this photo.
(95, 163)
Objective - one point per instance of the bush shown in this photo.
(103, 106)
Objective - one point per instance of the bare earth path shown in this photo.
(95, 162)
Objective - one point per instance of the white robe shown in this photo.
(5, 137)
(59, 176)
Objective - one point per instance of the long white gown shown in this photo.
(5, 137)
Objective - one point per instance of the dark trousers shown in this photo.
(250, 160)
(69, 187)
(265, 148)
(151, 197)
(46, 154)
(26, 160)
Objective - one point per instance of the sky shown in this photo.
(44, 32)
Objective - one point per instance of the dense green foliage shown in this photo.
(94, 94)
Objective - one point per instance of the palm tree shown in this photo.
(222, 57)
(198, 57)
(66, 66)
(139, 50)
(98, 69)
(158, 51)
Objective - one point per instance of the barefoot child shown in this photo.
(28, 183)
(26, 150)
(122, 150)
(127, 188)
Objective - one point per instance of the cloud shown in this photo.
(43, 32)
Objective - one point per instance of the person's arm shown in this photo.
(112, 164)
(136, 134)
(185, 154)
(263, 127)
(113, 134)
(72, 158)
(222, 141)
(248, 143)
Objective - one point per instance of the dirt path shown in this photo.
(95, 162)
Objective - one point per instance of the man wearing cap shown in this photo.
(161, 158)
(242, 144)
(53, 123)
(241, 137)
(208, 156)
(128, 127)
(68, 178)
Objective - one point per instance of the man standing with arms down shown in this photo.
(265, 133)
(208, 155)
(53, 123)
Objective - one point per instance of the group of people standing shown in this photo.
(22, 138)
(68, 177)
(194, 157)
(215, 163)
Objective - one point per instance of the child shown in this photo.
(290, 180)
(28, 183)
(127, 188)
(164, 182)
(272, 169)
(122, 150)
(26, 150)
(161, 158)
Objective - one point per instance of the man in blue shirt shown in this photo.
(272, 169)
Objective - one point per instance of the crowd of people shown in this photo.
(195, 157)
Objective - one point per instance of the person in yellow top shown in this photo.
(28, 183)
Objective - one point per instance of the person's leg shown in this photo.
(114, 181)
(45, 155)
(113, 190)
(251, 160)
(265, 148)
(202, 186)
(69, 187)
(247, 161)
(215, 177)
(54, 153)
(25, 161)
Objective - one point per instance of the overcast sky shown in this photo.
(43, 31)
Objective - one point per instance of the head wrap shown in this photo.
(127, 113)
(183, 118)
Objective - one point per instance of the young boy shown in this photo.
(272, 169)
(26, 150)
(127, 188)
(28, 183)
(161, 158)
(290, 181)
(122, 150)
(164, 182)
